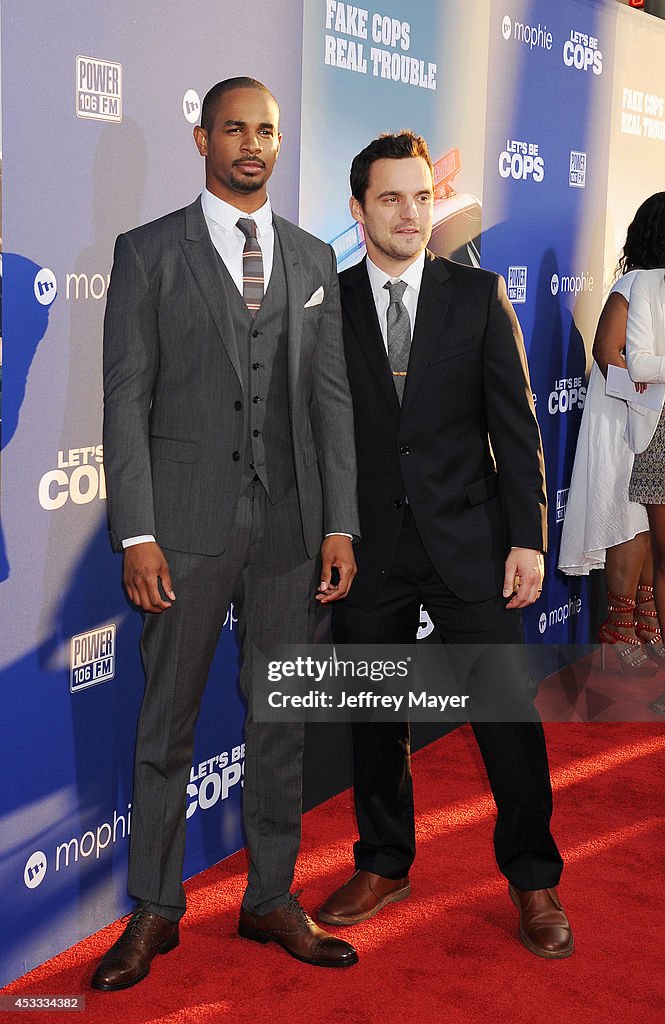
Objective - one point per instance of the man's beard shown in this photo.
(246, 184)
(399, 249)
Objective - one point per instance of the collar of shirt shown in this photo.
(412, 276)
(221, 219)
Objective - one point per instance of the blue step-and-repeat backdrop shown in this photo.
(547, 126)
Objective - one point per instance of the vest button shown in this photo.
(236, 456)
(238, 406)
(256, 399)
(398, 503)
(251, 465)
(255, 334)
(257, 366)
(405, 450)
(256, 433)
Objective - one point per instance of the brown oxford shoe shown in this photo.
(364, 895)
(544, 927)
(128, 960)
(295, 931)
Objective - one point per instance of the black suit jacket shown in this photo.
(464, 447)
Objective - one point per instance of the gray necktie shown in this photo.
(252, 266)
(399, 335)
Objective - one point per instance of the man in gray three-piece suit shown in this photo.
(229, 455)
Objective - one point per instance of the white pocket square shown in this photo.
(315, 299)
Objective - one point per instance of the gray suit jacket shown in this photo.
(173, 425)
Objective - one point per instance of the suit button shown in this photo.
(257, 366)
(405, 450)
(251, 465)
(256, 399)
(256, 433)
(238, 406)
(398, 503)
(255, 334)
(236, 456)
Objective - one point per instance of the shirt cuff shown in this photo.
(143, 539)
(339, 534)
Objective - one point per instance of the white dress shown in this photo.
(598, 512)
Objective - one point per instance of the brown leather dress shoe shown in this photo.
(364, 895)
(129, 958)
(544, 927)
(295, 931)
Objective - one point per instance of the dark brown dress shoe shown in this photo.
(544, 927)
(129, 958)
(364, 895)
(295, 931)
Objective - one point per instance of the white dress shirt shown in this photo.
(412, 277)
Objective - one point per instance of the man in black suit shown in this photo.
(453, 513)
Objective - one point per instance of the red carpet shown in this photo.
(450, 952)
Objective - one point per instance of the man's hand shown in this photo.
(144, 565)
(336, 552)
(523, 579)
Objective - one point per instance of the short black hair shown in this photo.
(391, 147)
(644, 247)
(213, 96)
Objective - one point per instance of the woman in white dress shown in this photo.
(645, 355)
(602, 527)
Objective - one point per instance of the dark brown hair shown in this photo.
(386, 147)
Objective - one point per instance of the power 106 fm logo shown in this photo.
(98, 89)
(92, 657)
(78, 477)
(521, 161)
(516, 284)
(577, 169)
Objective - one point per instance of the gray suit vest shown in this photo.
(262, 342)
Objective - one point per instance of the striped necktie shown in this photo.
(398, 334)
(252, 266)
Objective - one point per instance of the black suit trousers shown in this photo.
(514, 753)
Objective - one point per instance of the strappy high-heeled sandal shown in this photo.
(649, 632)
(628, 653)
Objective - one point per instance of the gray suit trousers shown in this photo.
(267, 574)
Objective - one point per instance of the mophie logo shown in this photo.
(45, 286)
(34, 871)
(98, 89)
(571, 284)
(557, 616)
(191, 106)
(533, 36)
